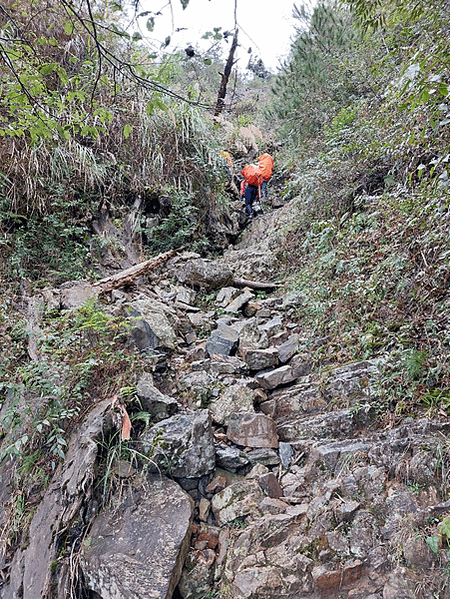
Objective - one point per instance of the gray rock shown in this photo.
(243, 297)
(335, 425)
(204, 274)
(224, 364)
(276, 378)
(236, 501)
(184, 295)
(72, 484)
(356, 380)
(288, 349)
(286, 453)
(273, 326)
(264, 455)
(153, 325)
(344, 511)
(301, 365)
(260, 359)
(74, 294)
(158, 405)
(230, 458)
(151, 526)
(304, 396)
(181, 446)
(198, 574)
(401, 584)
(252, 430)
(233, 398)
(201, 320)
(223, 340)
(225, 296)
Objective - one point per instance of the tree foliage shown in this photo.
(316, 79)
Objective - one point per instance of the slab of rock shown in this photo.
(328, 579)
(286, 453)
(223, 364)
(244, 296)
(270, 485)
(275, 378)
(251, 337)
(151, 526)
(345, 511)
(205, 274)
(272, 326)
(230, 458)
(335, 425)
(288, 349)
(181, 446)
(70, 488)
(184, 295)
(260, 359)
(304, 396)
(223, 340)
(226, 296)
(263, 455)
(357, 379)
(158, 405)
(201, 320)
(252, 430)
(239, 396)
(236, 501)
(198, 574)
(74, 294)
(153, 325)
(301, 365)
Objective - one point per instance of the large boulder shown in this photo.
(252, 430)
(204, 274)
(181, 446)
(136, 550)
(154, 325)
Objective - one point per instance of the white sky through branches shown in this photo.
(266, 27)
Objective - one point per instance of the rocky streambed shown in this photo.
(259, 473)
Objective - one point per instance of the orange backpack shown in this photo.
(252, 174)
(265, 163)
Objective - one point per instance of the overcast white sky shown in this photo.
(265, 27)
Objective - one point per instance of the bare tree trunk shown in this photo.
(225, 76)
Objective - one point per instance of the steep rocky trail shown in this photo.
(253, 471)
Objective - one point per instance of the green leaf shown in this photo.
(155, 104)
(207, 61)
(68, 27)
(445, 527)
(184, 3)
(444, 89)
(46, 69)
(127, 131)
(433, 544)
(136, 36)
(150, 23)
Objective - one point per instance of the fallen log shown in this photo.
(238, 282)
(127, 276)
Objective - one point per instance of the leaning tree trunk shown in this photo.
(225, 76)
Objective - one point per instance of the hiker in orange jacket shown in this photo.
(250, 186)
(265, 163)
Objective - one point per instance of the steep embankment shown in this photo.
(257, 464)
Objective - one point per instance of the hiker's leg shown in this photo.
(248, 200)
(264, 191)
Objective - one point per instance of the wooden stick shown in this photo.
(254, 284)
(127, 276)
